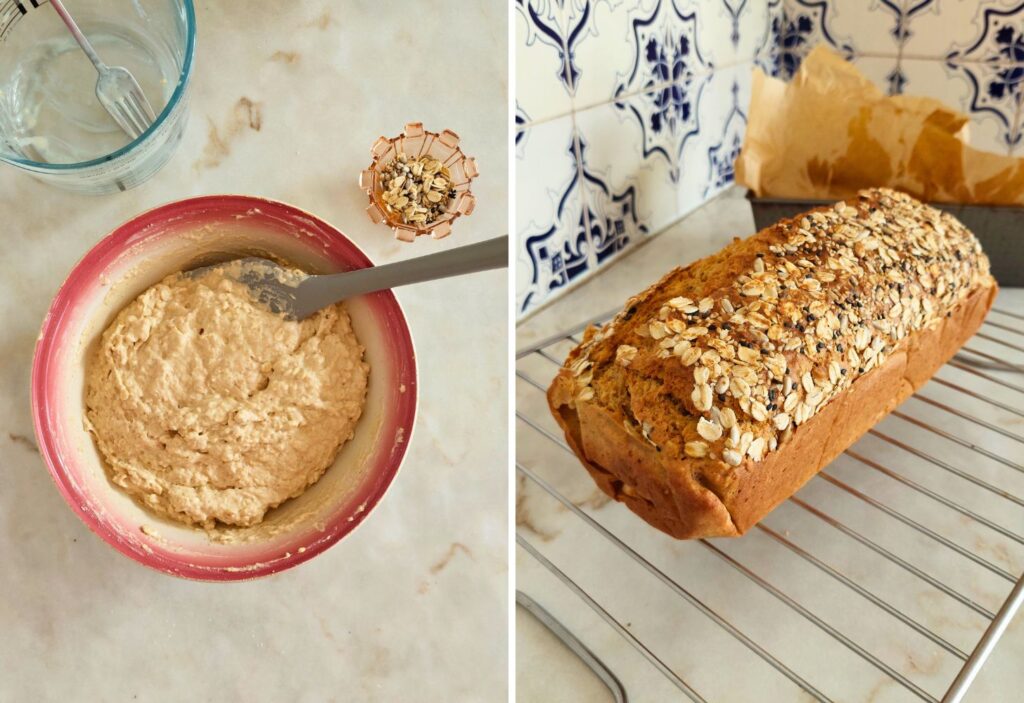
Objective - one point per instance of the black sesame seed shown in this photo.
(842, 371)
(820, 346)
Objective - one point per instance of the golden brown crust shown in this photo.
(630, 420)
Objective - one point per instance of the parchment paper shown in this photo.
(830, 132)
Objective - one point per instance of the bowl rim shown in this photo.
(130, 233)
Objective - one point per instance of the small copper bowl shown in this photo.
(416, 142)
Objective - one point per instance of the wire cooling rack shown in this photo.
(889, 576)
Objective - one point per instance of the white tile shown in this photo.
(542, 86)
(701, 233)
(883, 72)
(522, 121)
(628, 172)
(551, 249)
(629, 46)
(1017, 131)
(866, 26)
(979, 46)
(993, 126)
(602, 47)
(732, 31)
(941, 28)
(708, 161)
(545, 165)
(766, 55)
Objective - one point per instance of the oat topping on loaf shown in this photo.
(721, 361)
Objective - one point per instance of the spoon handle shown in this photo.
(78, 35)
(324, 290)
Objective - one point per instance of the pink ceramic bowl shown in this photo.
(136, 255)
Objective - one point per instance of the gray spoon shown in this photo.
(297, 299)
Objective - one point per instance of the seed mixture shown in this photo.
(417, 190)
(827, 302)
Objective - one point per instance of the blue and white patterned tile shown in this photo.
(522, 121)
(552, 250)
(905, 13)
(635, 45)
(543, 89)
(733, 31)
(991, 60)
(612, 210)
(939, 27)
(667, 118)
(708, 162)
(872, 27)
(884, 72)
(767, 55)
(629, 152)
(601, 46)
(804, 25)
(993, 126)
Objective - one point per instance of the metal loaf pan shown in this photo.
(1000, 229)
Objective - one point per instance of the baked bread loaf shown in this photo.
(721, 389)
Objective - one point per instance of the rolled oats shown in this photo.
(418, 190)
(833, 306)
(709, 430)
(732, 457)
(695, 449)
(625, 354)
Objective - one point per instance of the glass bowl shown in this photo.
(51, 124)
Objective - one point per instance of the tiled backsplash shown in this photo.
(630, 113)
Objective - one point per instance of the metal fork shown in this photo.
(116, 88)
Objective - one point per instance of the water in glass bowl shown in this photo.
(49, 112)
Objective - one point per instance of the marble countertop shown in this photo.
(686, 641)
(286, 100)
